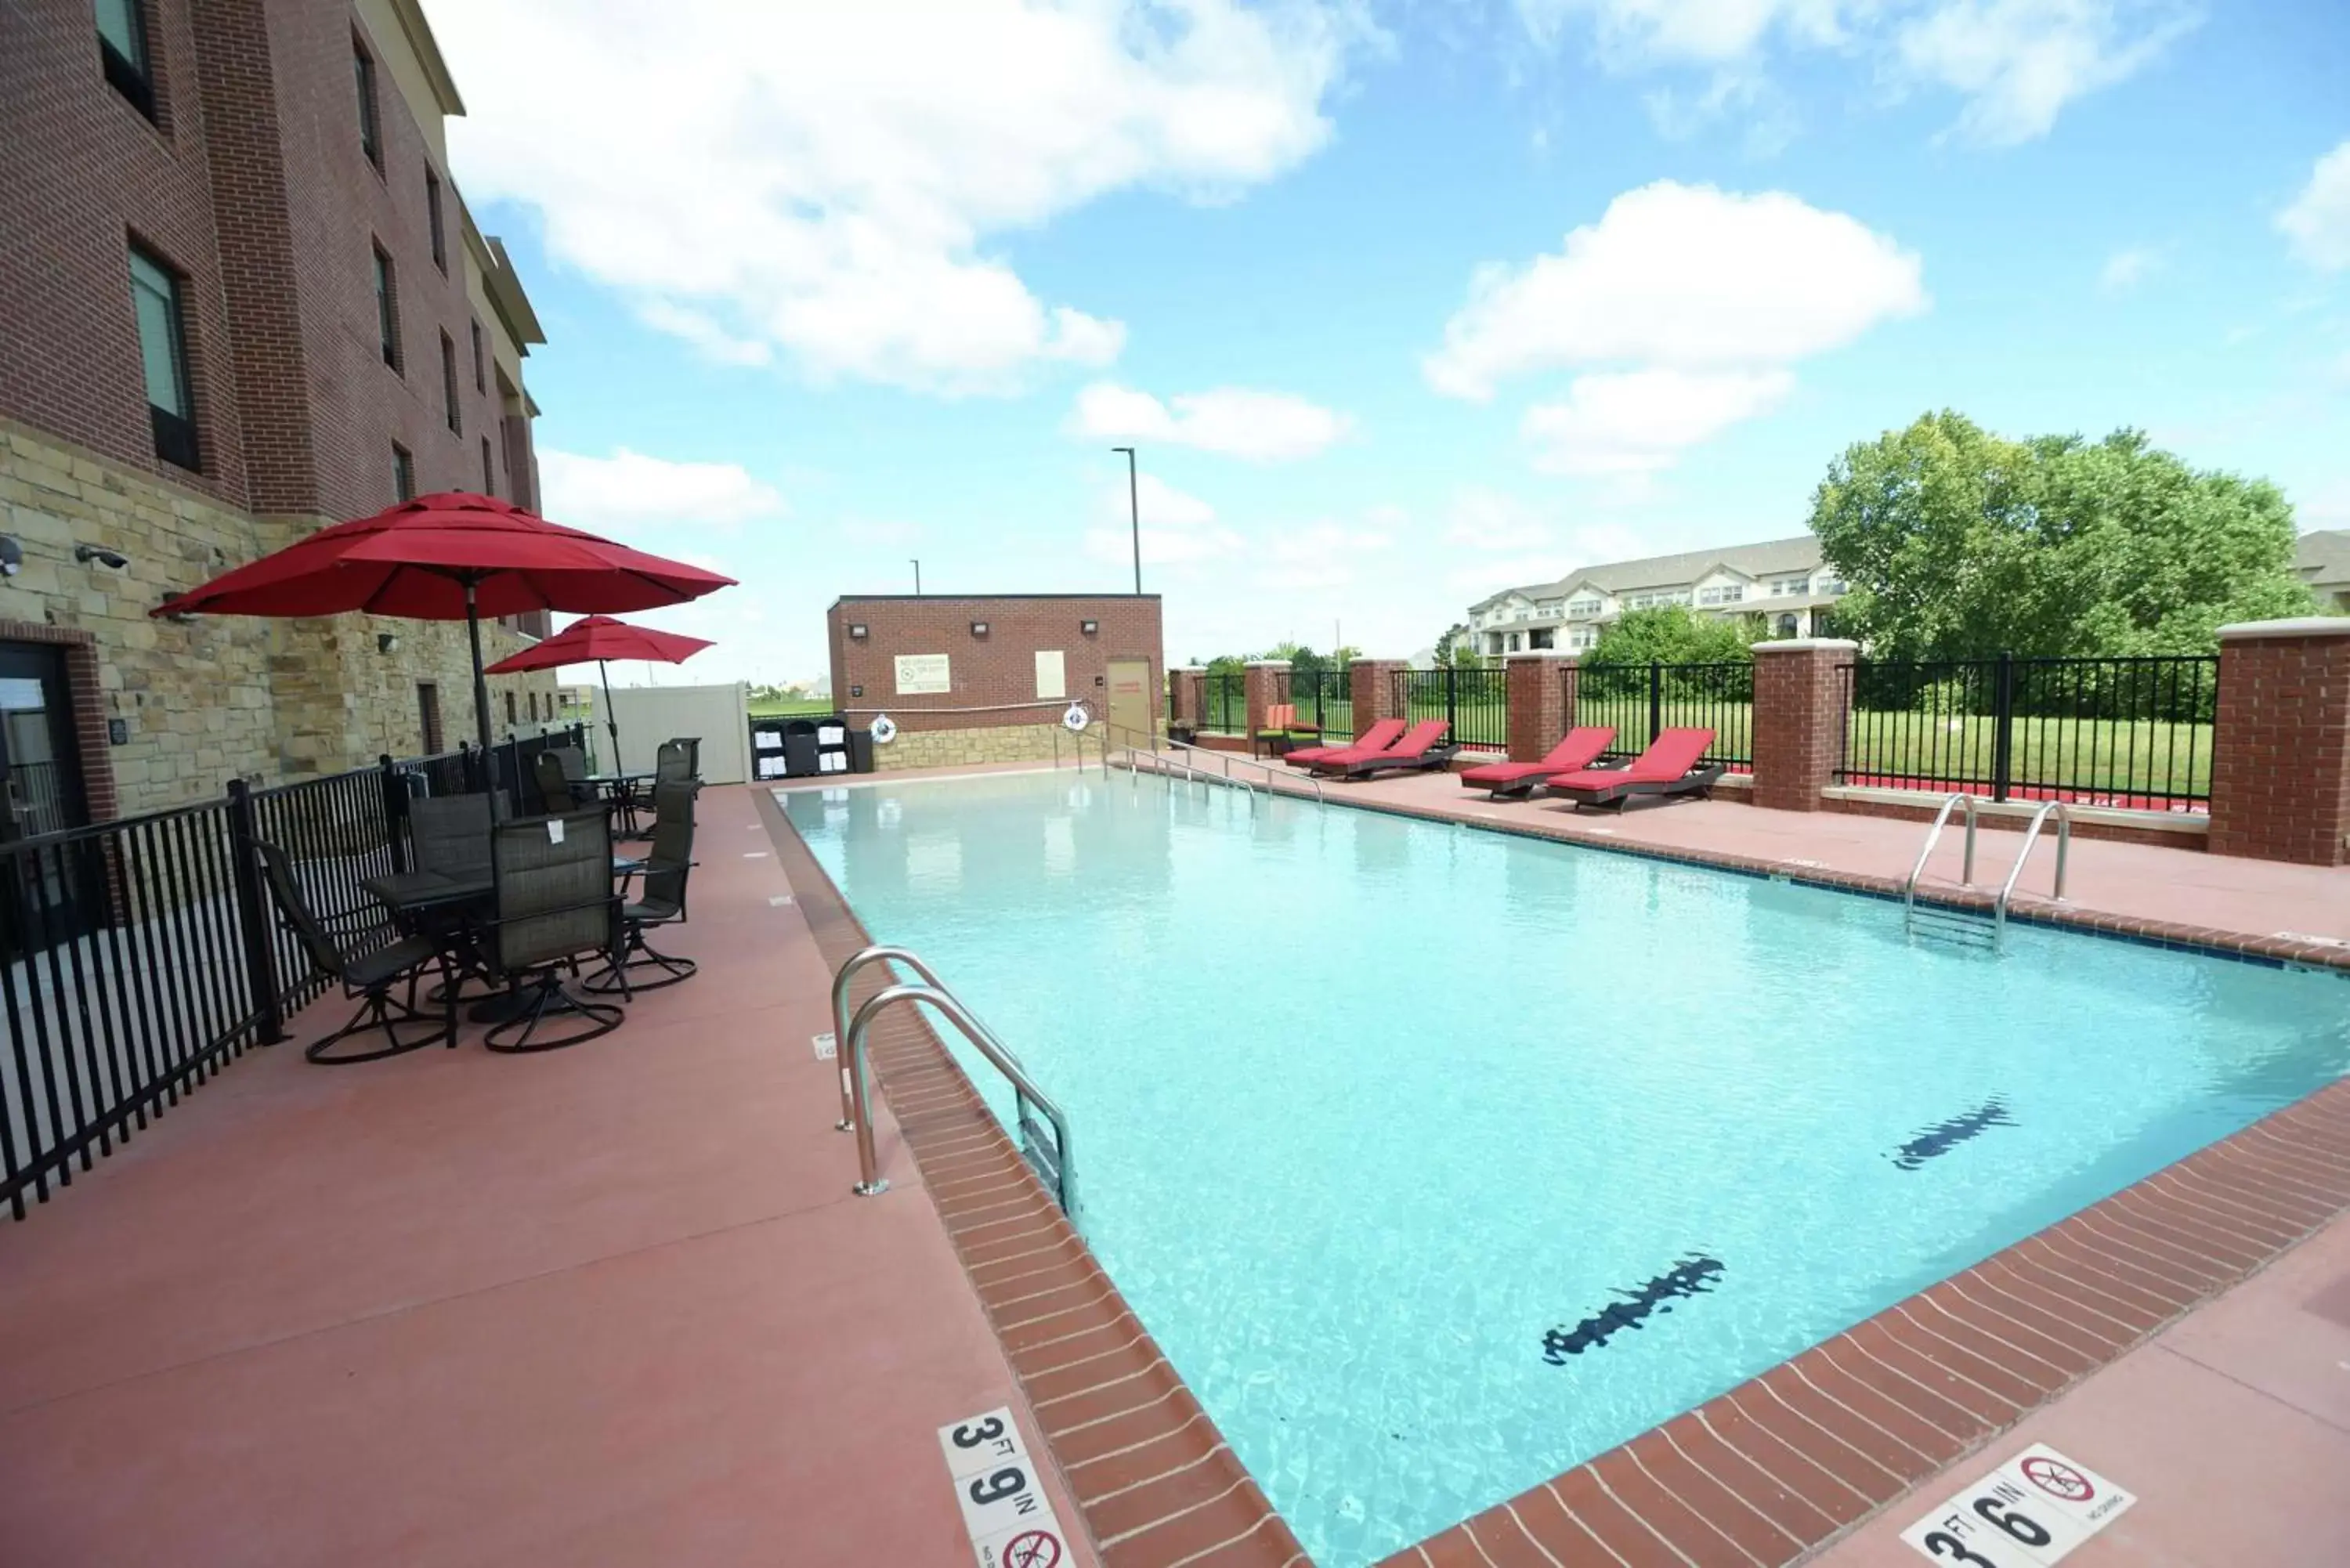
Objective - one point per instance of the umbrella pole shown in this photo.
(611, 720)
(481, 685)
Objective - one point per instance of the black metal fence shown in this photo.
(2132, 732)
(1325, 699)
(141, 955)
(1226, 703)
(1474, 701)
(1639, 701)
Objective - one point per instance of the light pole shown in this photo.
(917, 577)
(1134, 511)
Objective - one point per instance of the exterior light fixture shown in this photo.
(1089, 627)
(386, 642)
(979, 628)
(101, 554)
(857, 630)
(12, 556)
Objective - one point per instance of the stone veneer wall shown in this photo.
(226, 695)
(959, 748)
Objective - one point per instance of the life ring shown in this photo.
(884, 731)
(1075, 720)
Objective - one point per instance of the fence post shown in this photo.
(2002, 734)
(253, 914)
(1375, 696)
(1539, 703)
(1656, 700)
(1452, 709)
(1798, 722)
(2281, 741)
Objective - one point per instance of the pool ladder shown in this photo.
(1046, 1147)
(1968, 924)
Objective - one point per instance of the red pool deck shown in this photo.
(616, 1305)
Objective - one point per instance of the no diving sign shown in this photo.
(2029, 1512)
(1010, 1519)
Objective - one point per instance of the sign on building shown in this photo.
(924, 674)
(1051, 676)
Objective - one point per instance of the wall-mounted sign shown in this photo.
(1051, 675)
(924, 674)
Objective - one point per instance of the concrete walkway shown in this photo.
(613, 1305)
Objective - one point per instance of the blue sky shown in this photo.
(1401, 302)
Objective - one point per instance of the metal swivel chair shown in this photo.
(553, 902)
(661, 902)
(368, 970)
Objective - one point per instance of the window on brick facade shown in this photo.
(370, 132)
(432, 216)
(450, 410)
(489, 474)
(510, 710)
(156, 303)
(481, 383)
(386, 307)
(403, 474)
(122, 52)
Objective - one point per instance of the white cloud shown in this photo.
(1178, 528)
(1480, 519)
(1320, 556)
(630, 490)
(1264, 426)
(2128, 267)
(827, 179)
(1637, 423)
(2016, 63)
(1684, 275)
(2318, 221)
(704, 332)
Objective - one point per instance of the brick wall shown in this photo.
(995, 672)
(2280, 749)
(1541, 704)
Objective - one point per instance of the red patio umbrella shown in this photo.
(449, 556)
(601, 638)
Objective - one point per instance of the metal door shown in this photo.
(1129, 699)
(50, 893)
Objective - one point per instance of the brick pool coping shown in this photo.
(1763, 1474)
(1158, 1485)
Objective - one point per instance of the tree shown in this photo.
(1457, 647)
(1959, 544)
(1675, 634)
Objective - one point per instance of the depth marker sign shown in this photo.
(2027, 1513)
(1004, 1508)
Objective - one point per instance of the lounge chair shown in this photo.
(1515, 781)
(1668, 767)
(1378, 738)
(1423, 746)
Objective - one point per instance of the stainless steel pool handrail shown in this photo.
(871, 1183)
(2063, 814)
(879, 952)
(1225, 758)
(1933, 836)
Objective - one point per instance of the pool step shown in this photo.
(1039, 1149)
(1958, 927)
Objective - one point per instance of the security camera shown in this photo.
(102, 556)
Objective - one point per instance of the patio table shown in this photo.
(620, 789)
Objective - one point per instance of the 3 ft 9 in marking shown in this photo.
(996, 1488)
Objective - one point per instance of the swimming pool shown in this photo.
(1438, 1161)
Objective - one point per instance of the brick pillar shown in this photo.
(1541, 709)
(1261, 686)
(1373, 690)
(1191, 695)
(1798, 719)
(2280, 743)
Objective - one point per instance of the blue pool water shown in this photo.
(1377, 1118)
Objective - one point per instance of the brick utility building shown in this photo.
(987, 679)
(240, 298)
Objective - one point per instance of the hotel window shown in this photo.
(403, 474)
(432, 216)
(122, 52)
(363, 76)
(489, 476)
(1722, 594)
(510, 710)
(387, 308)
(480, 384)
(156, 302)
(450, 409)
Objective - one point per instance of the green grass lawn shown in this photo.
(785, 708)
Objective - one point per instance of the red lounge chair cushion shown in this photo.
(1669, 755)
(1417, 742)
(1579, 749)
(1377, 738)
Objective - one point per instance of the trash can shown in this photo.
(860, 751)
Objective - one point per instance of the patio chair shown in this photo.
(1423, 747)
(660, 902)
(1515, 781)
(557, 791)
(1378, 738)
(1280, 724)
(553, 903)
(367, 967)
(678, 761)
(1668, 767)
(449, 836)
